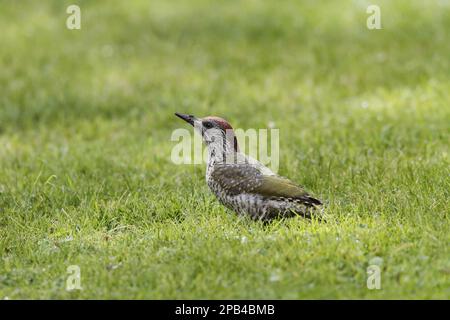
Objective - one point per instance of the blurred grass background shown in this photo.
(85, 123)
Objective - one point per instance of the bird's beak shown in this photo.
(188, 118)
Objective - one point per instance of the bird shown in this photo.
(242, 183)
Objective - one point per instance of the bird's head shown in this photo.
(214, 130)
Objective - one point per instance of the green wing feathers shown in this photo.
(280, 187)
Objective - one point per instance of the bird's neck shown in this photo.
(220, 153)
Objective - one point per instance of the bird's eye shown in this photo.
(208, 125)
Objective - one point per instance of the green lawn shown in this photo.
(86, 177)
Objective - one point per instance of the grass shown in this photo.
(85, 172)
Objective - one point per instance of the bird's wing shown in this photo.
(244, 178)
(276, 186)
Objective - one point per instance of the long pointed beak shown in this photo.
(188, 118)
